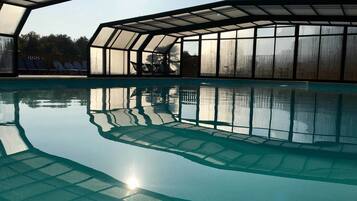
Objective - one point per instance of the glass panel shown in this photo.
(125, 39)
(352, 30)
(331, 30)
(175, 56)
(230, 11)
(308, 57)
(301, 9)
(211, 15)
(351, 59)
(229, 34)
(309, 30)
(330, 57)
(275, 10)
(242, 111)
(103, 37)
(244, 57)
(133, 61)
(253, 10)
(210, 36)
(227, 58)
(264, 58)
(190, 59)
(165, 44)
(10, 17)
(192, 18)
(350, 9)
(147, 58)
(96, 61)
(284, 58)
(329, 10)
(140, 42)
(209, 58)
(246, 33)
(285, 31)
(265, 32)
(118, 62)
(6, 54)
(155, 41)
(262, 112)
(192, 38)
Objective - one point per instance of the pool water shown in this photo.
(177, 140)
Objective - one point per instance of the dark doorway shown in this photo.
(190, 59)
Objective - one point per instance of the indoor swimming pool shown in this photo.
(184, 139)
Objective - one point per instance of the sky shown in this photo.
(78, 18)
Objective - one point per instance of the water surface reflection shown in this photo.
(192, 142)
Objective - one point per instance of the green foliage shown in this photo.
(60, 46)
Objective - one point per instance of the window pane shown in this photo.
(309, 30)
(147, 58)
(330, 57)
(190, 59)
(209, 58)
(103, 36)
(285, 31)
(133, 61)
(229, 34)
(264, 58)
(351, 59)
(227, 58)
(118, 62)
(125, 39)
(308, 57)
(10, 17)
(331, 30)
(175, 59)
(140, 42)
(246, 33)
(155, 41)
(284, 58)
(6, 54)
(165, 44)
(265, 32)
(210, 36)
(96, 61)
(244, 57)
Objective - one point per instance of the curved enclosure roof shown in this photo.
(216, 17)
(13, 13)
(33, 4)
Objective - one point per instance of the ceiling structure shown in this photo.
(14, 13)
(33, 4)
(130, 34)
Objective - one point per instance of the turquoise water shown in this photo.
(177, 140)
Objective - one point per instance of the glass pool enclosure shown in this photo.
(305, 40)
